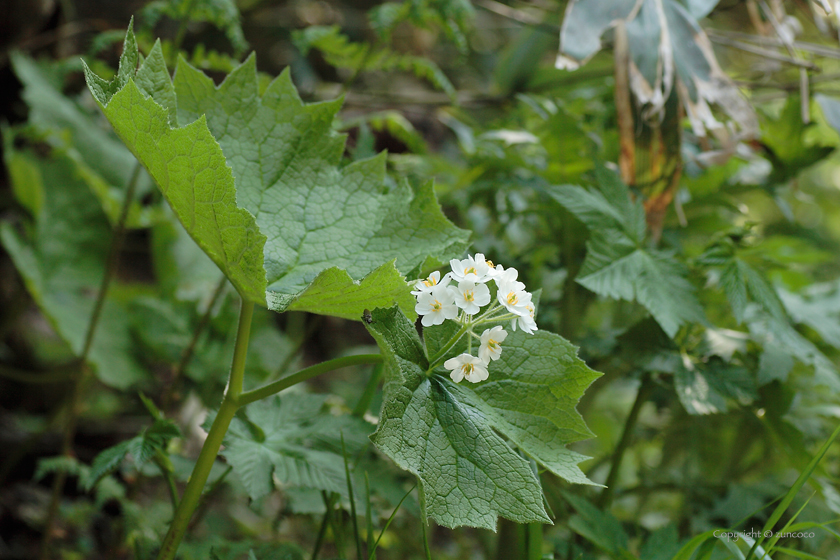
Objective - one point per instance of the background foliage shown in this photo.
(692, 256)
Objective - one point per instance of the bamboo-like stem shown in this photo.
(74, 402)
(624, 107)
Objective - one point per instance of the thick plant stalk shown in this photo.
(210, 449)
(534, 540)
(234, 399)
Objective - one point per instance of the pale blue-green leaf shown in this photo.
(103, 161)
(61, 256)
(768, 331)
(653, 278)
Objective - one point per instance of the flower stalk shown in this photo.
(460, 296)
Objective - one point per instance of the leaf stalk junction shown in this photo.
(234, 399)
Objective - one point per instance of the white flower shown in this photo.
(494, 273)
(471, 297)
(513, 296)
(503, 275)
(436, 305)
(426, 285)
(491, 347)
(474, 269)
(466, 366)
(525, 322)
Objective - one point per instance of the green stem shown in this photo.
(210, 449)
(433, 361)
(354, 517)
(207, 496)
(534, 539)
(426, 548)
(74, 403)
(645, 389)
(322, 532)
(165, 466)
(307, 373)
(113, 261)
(423, 521)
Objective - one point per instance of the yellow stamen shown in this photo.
(437, 305)
(511, 298)
(470, 270)
(469, 296)
(490, 263)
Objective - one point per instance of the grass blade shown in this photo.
(780, 509)
(356, 534)
(368, 514)
(387, 523)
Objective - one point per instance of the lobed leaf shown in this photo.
(255, 180)
(450, 435)
(618, 264)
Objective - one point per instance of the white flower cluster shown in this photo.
(460, 296)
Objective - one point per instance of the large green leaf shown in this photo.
(61, 256)
(256, 181)
(291, 439)
(739, 280)
(618, 262)
(457, 439)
